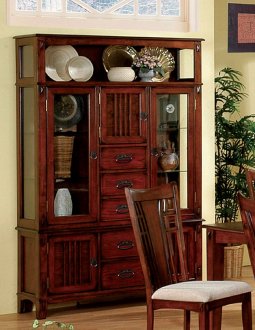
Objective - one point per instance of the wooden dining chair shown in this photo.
(157, 225)
(250, 179)
(247, 210)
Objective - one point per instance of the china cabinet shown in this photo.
(81, 140)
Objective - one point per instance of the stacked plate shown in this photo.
(80, 68)
(62, 63)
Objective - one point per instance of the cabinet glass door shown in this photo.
(172, 143)
(72, 155)
(27, 148)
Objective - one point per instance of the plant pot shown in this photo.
(146, 76)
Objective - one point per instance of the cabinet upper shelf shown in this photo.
(98, 54)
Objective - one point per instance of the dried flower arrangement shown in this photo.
(145, 62)
(46, 324)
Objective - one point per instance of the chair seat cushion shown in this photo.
(201, 291)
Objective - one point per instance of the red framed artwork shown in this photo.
(241, 28)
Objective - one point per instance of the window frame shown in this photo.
(185, 23)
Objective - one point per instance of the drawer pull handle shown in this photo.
(124, 184)
(125, 245)
(93, 262)
(124, 158)
(93, 155)
(126, 273)
(122, 209)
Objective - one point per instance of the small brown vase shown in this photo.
(169, 160)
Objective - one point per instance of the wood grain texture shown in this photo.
(125, 316)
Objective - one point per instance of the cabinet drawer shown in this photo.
(114, 184)
(118, 244)
(114, 209)
(122, 274)
(123, 158)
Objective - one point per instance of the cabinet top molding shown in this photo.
(121, 39)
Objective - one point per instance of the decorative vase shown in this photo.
(63, 205)
(146, 76)
(169, 160)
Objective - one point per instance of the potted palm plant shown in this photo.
(235, 151)
(235, 144)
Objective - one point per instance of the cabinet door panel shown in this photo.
(124, 115)
(175, 146)
(72, 154)
(118, 244)
(122, 274)
(72, 263)
(114, 184)
(123, 158)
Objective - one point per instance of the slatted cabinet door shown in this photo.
(72, 263)
(124, 119)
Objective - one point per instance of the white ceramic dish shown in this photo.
(56, 58)
(80, 68)
(121, 74)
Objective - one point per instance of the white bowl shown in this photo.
(80, 68)
(120, 73)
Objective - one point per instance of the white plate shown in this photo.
(80, 68)
(56, 58)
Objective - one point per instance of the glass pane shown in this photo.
(27, 61)
(26, 5)
(170, 7)
(28, 146)
(186, 64)
(52, 6)
(172, 141)
(71, 154)
(147, 7)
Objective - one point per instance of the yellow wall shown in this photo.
(8, 241)
(243, 62)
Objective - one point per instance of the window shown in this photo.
(170, 15)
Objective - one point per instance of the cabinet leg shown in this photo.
(41, 309)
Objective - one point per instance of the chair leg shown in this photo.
(186, 320)
(204, 322)
(247, 312)
(150, 317)
(216, 319)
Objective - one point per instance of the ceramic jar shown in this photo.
(121, 74)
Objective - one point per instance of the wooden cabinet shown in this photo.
(85, 141)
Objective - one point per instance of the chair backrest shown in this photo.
(247, 209)
(157, 225)
(250, 179)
